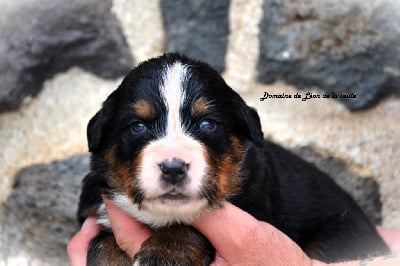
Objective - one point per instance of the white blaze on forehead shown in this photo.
(174, 97)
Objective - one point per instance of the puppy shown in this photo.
(174, 140)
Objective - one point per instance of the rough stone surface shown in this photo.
(142, 25)
(338, 46)
(43, 207)
(243, 44)
(197, 28)
(52, 126)
(41, 38)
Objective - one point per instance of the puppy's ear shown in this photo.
(95, 130)
(253, 125)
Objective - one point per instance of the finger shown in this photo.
(391, 237)
(78, 245)
(233, 231)
(129, 233)
(219, 261)
(227, 229)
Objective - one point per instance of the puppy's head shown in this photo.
(173, 136)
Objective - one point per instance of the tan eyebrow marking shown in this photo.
(200, 107)
(144, 109)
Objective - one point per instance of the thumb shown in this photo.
(228, 224)
(79, 244)
(128, 232)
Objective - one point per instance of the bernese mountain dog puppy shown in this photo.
(174, 141)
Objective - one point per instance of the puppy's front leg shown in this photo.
(104, 251)
(175, 245)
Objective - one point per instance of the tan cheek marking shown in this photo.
(144, 109)
(227, 177)
(200, 107)
(122, 178)
(227, 171)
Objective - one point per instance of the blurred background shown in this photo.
(60, 59)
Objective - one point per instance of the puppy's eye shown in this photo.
(138, 128)
(208, 126)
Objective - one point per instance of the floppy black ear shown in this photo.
(95, 130)
(253, 125)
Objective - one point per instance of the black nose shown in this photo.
(173, 171)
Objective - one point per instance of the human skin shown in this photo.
(238, 237)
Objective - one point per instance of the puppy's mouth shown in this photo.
(174, 195)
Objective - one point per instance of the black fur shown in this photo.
(277, 186)
(309, 207)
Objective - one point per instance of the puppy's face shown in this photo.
(173, 136)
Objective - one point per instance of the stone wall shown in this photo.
(59, 61)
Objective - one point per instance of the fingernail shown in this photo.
(90, 221)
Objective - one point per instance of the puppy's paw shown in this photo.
(104, 251)
(175, 245)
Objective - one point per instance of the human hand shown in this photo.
(79, 244)
(391, 237)
(237, 236)
(129, 234)
(240, 239)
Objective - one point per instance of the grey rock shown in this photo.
(197, 28)
(39, 217)
(338, 46)
(41, 38)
